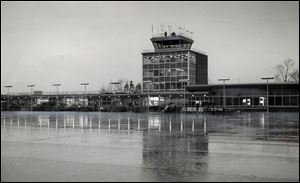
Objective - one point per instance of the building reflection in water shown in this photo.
(175, 150)
(261, 124)
(174, 129)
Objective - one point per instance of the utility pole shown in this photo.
(31, 86)
(85, 84)
(57, 85)
(267, 78)
(8, 95)
(224, 98)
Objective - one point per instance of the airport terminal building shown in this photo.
(173, 73)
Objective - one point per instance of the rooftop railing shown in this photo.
(55, 93)
(95, 92)
(173, 49)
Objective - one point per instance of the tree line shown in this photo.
(286, 72)
(122, 85)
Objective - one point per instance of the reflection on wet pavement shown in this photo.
(150, 147)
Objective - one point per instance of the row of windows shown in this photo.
(164, 79)
(155, 66)
(164, 72)
(254, 91)
(184, 46)
(273, 101)
(163, 86)
(166, 60)
(169, 58)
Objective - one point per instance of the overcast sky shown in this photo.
(72, 42)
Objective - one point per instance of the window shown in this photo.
(167, 85)
(162, 86)
(172, 59)
(168, 59)
(161, 72)
(286, 101)
(173, 86)
(161, 60)
(294, 100)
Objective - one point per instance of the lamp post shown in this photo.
(8, 95)
(267, 78)
(31, 86)
(148, 81)
(114, 93)
(57, 85)
(224, 98)
(85, 84)
(115, 83)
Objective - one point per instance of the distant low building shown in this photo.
(249, 95)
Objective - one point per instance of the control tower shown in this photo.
(173, 64)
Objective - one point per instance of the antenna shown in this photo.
(187, 33)
(162, 28)
(152, 29)
(170, 28)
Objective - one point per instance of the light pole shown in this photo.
(224, 98)
(57, 85)
(85, 84)
(8, 95)
(114, 93)
(115, 83)
(31, 86)
(148, 81)
(267, 78)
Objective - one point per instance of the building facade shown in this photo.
(173, 65)
(281, 96)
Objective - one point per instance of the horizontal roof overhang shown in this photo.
(194, 88)
(171, 38)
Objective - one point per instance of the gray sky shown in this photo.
(72, 42)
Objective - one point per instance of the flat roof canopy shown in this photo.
(197, 88)
(171, 38)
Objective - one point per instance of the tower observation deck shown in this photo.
(171, 42)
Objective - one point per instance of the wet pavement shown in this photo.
(77, 146)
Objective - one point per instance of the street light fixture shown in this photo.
(57, 85)
(8, 95)
(148, 81)
(85, 84)
(267, 78)
(224, 99)
(31, 86)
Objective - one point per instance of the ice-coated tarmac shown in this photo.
(82, 146)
